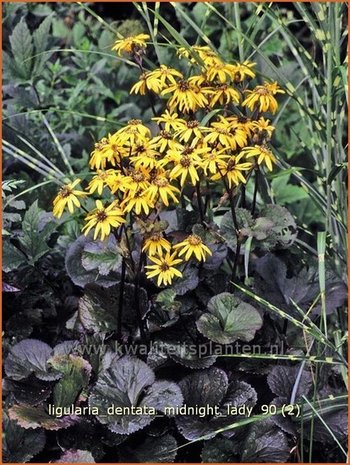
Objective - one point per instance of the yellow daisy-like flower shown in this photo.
(133, 132)
(118, 182)
(144, 84)
(190, 129)
(262, 130)
(102, 179)
(218, 72)
(242, 122)
(156, 80)
(137, 201)
(113, 151)
(185, 96)
(205, 53)
(160, 187)
(143, 155)
(98, 158)
(137, 179)
(170, 120)
(103, 219)
(233, 171)
(223, 95)
(214, 160)
(164, 141)
(164, 76)
(67, 196)
(227, 133)
(130, 44)
(164, 268)
(263, 154)
(262, 98)
(155, 244)
(187, 161)
(242, 71)
(193, 245)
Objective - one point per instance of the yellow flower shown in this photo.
(103, 218)
(137, 201)
(130, 44)
(133, 132)
(144, 84)
(164, 141)
(137, 179)
(264, 154)
(193, 245)
(224, 94)
(204, 52)
(67, 196)
(163, 76)
(242, 71)
(187, 161)
(233, 171)
(164, 268)
(155, 244)
(118, 182)
(262, 129)
(242, 122)
(98, 158)
(143, 155)
(109, 150)
(170, 120)
(214, 160)
(227, 133)
(262, 98)
(102, 179)
(188, 129)
(160, 187)
(156, 80)
(218, 72)
(185, 96)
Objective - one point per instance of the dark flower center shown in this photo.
(101, 215)
(185, 161)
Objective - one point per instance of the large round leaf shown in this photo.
(229, 319)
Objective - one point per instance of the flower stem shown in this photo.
(256, 185)
(200, 204)
(137, 296)
(121, 301)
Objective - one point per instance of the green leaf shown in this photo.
(41, 36)
(129, 382)
(20, 445)
(166, 299)
(22, 48)
(27, 357)
(34, 239)
(103, 256)
(30, 417)
(12, 258)
(78, 273)
(76, 456)
(220, 450)
(227, 230)
(229, 319)
(210, 388)
(265, 442)
(287, 193)
(98, 308)
(283, 230)
(152, 449)
(76, 374)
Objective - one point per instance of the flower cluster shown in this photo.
(140, 171)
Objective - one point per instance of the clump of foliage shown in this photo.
(166, 276)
